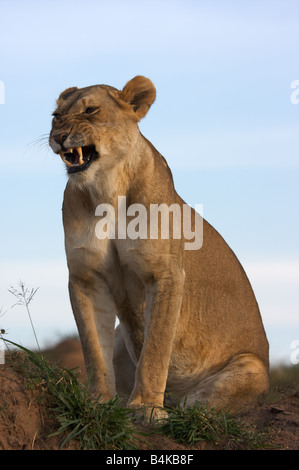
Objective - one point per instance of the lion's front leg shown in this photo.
(164, 298)
(94, 312)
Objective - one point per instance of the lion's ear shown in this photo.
(139, 93)
(65, 94)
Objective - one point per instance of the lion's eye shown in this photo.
(90, 110)
(56, 115)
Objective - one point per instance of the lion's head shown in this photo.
(93, 127)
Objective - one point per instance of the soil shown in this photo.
(26, 422)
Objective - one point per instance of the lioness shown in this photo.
(189, 323)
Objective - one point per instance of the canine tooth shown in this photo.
(80, 153)
(64, 160)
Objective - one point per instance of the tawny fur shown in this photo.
(189, 323)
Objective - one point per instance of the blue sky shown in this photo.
(223, 119)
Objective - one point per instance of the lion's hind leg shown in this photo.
(239, 385)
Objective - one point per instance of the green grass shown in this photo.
(79, 414)
(200, 423)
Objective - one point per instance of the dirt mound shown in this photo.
(26, 420)
(281, 419)
(20, 416)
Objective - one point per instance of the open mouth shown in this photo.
(79, 158)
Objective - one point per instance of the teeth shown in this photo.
(64, 160)
(71, 150)
(79, 150)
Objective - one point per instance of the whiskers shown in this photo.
(41, 143)
(38, 150)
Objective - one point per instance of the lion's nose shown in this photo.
(60, 138)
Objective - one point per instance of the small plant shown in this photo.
(189, 425)
(24, 297)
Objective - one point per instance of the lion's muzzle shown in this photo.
(78, 158)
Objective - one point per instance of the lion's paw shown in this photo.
(148, 414)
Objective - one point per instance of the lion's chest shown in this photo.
(117, 261)
(83, 246)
